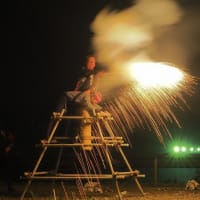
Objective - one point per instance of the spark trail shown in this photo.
(138, 104)
(125, 39)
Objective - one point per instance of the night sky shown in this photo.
(47, 45)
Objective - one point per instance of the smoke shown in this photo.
(133, 34)
(130, 34)
(120, 36)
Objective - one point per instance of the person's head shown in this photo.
(90, 62)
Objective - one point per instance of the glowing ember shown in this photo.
(152, 74)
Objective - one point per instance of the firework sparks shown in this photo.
(147, 102)
(145, 93)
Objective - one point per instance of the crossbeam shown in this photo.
(118, 175)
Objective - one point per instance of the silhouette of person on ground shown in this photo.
(7, 158)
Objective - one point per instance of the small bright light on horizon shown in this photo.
(183, 149)
(153, 74)
(176, 149)
(191, 149)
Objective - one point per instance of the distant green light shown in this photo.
(176, 149)
(183, 149)
(191, 149)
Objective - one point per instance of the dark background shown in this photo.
(47, 42)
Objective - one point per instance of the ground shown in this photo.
(45, 191)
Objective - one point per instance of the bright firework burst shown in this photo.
(149, 99)
(131, 34)
(151, 74)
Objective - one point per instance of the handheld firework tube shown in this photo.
(86, 131)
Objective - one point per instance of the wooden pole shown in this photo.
(155, 170)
